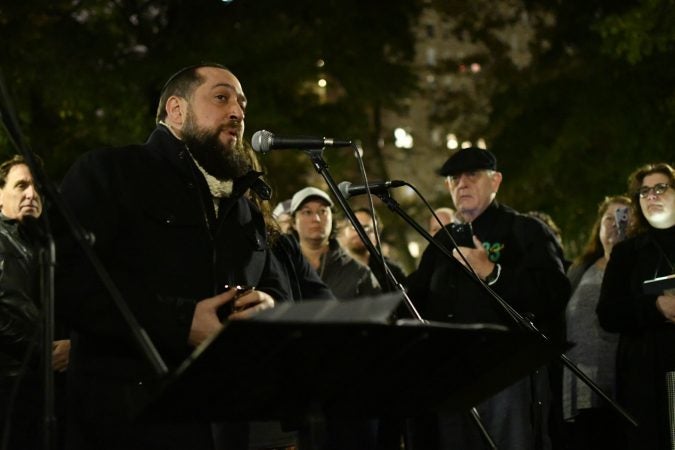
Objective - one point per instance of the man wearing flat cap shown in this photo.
(517, 257)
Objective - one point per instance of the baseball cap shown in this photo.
(304, 194)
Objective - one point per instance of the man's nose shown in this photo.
(30, 192)
(237, 112)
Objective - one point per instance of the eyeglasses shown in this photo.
(658, 189)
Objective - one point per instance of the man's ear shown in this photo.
(176, 110)
(496, 181)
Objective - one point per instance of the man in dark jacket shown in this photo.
(517, 257)
(20, 321)
(172, 226)
(351, 240)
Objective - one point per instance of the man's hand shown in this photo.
(60, 355)
(476, 257)
(250, 303)
(205, 321)
(666, 304)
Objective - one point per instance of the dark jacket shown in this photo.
(647, 341)
(19, 309)
(533, 282)
(155, 231)
(387, 285)
(532, 278)
(303, 281)
(345, 276)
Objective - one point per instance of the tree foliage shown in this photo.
(86, 74)
(594, 102)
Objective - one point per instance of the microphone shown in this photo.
(263, 141)
(350, 190)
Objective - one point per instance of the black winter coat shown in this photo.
(532, 279)
(155, 230)
(647, 341)
(19, 310)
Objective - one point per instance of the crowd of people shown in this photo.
(182, 225)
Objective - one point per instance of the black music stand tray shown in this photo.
(342, 359)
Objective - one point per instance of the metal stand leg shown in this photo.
(483, 432)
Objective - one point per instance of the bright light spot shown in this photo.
(451, 141)
(475, 67)
(403, 138)
(322, 83)
(481, 143)
(466, 144)
(320, 63)
(400, 133)
(414, 249)
(430, 78)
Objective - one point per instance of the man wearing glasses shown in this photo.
(644, 316)
(517, 257)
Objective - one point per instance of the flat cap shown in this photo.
(467, 160)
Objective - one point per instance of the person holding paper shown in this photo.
(645, 321)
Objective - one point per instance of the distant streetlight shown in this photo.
(403, 139)
(466, 144)
(322, 83)
(414, 249)
(451, 141)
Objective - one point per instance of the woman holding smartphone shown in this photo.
(587, 417)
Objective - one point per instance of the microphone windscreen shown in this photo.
(262, 141)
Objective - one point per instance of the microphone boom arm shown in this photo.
(321, 167)
(517, 317)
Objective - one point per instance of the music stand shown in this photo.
(281, 368)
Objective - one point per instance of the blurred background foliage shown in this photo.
(592, 98)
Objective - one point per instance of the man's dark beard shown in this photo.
(218, 160)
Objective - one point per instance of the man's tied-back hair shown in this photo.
(182, 84)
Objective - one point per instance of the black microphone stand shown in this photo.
(47, 262)
(522, 322)
(322, 168)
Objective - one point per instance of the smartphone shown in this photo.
(462, 233)
(621, 222)
(229, 308)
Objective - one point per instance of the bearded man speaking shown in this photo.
(173, 227)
